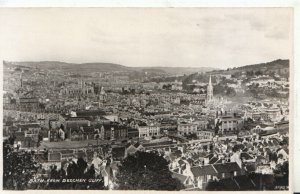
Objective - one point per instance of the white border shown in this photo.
(190, 3)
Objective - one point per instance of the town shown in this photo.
(216, 129)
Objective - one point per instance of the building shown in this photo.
(74, 123)
(133, 148)
(228, 124)
(148, 131)
(54, 124)
(187, 128)
(55, 135)
(28, 103)
(102, 95)
(113, 131)
(132, 132)
(205, 135)
(201, 175)
(274, 114)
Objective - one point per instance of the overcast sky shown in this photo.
(197, 37)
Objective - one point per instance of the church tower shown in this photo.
(102, 94)
(209, 90)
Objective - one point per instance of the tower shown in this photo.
(21, 79)
(102, 94)
(209, 90)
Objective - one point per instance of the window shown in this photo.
(223, 175)
(235, 173)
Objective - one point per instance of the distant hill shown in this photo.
(179, 70)
(106, 67)
(73, 67)
(276, 64)
(263, 67)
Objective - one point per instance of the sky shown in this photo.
(194, 37)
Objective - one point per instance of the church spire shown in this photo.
(209, 90)
(21, 79)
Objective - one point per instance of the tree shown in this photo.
(249, 73)
(75, 170)
(18, 168)
(146, 171)
(258, 73)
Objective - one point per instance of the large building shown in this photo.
(148, 131)
(28, 103)
(187, 128)
(229, 123)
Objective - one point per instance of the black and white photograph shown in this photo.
(141, 98)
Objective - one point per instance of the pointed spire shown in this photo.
(21, 79)
(209, 90)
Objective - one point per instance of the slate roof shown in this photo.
(29, 125)
(20, 136)
(229, 184)
(286, 150)
(90, 113)
(181, 162)
(176, 170)
(55, 156)
(81, 155)
(275, 142)
(246, 156)
(213, 160)
(204, 170)
(260, 157)
(219, 161)
(128, 145)
(180, 177)
(132, 130)
(65, 151)
(239, 146)
(115, 126)
(198, 155)
(190, 161)
(244, 183)
(227, 167)
(178, 153)
(209, 156)
(250, 167)
(118, 152)
(137, 144)
(88, 129)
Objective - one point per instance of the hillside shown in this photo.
(105, 67)
(255, 68)
(279, 63)
(72, 67)
(178, 70)
(276, 64)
